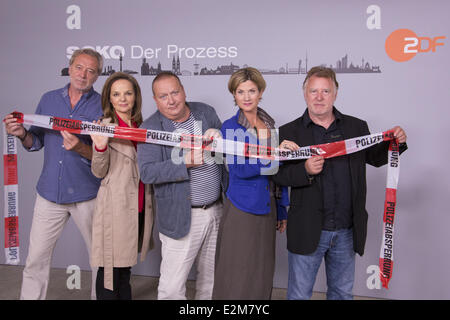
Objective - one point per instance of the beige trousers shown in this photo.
(49, 220)
(178, 256)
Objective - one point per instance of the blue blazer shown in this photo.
(248, 189)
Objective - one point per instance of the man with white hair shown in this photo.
(66, 187)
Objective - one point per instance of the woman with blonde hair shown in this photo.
(245, 254)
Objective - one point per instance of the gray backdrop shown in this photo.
(37, 36)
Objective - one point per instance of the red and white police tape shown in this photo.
(390, 201)
(11, 192)
(225, 146)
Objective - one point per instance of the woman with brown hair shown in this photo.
(123, 218)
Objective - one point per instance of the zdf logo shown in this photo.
(403, 44)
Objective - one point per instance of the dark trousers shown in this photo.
(121, 285)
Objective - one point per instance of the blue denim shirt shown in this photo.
(66, 176)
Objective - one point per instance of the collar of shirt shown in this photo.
(264, 116)
(123, 123)
(307, 120)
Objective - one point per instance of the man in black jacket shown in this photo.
(327, 216)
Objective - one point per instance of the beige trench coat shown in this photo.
(115, 230)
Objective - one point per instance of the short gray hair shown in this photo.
(321, 72)
(89, 52)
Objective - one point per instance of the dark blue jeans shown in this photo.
(336, 247)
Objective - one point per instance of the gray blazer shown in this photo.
(170, 180)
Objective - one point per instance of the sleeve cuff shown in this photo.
(100, 150)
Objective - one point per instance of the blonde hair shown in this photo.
(246, 74)
(321, 72)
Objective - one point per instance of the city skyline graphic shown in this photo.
(301, 67)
